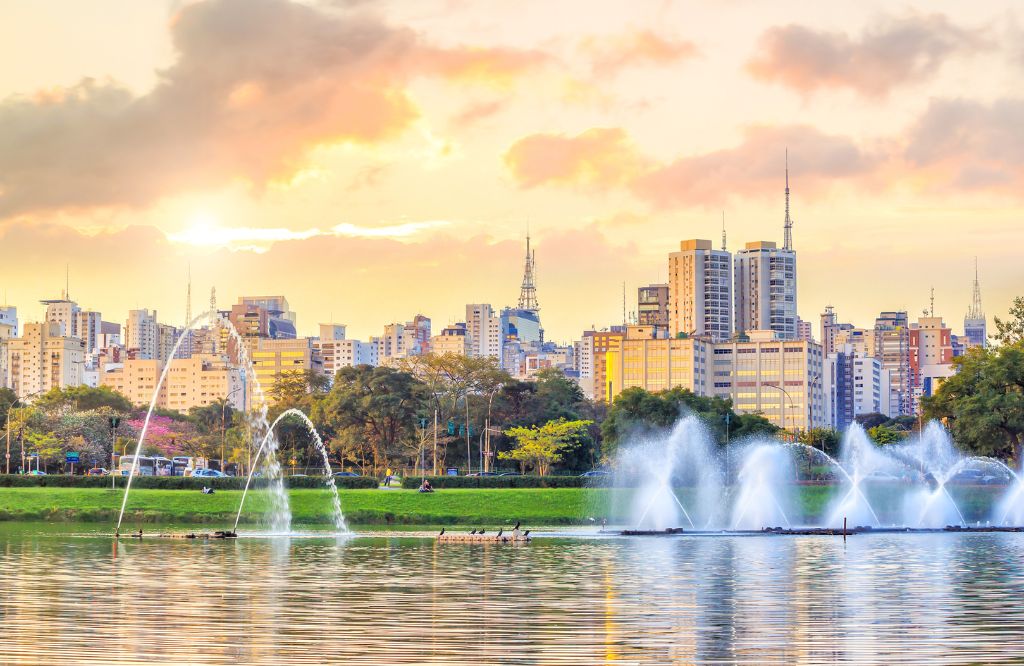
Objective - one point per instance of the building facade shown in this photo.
(652, 305)
(191, 382)
(700, 291)
(484, 326)
(43, 359)
(765, 288)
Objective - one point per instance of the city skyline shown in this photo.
(611, 142)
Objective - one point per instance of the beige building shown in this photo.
(337, 351)
(700, 291)
(454, 339)
(779, 379)
(191, 382)
(272, 358)
(648, 359)
(42, 359)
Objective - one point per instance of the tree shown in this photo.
(8, 399)
(539, 447)
(294, 388)
(983, 403)
(824, 439)
(885, 434)
(83, 398)
(1010, 331)
(373, 412)
(637, 409)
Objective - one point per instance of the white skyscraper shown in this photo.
(484, 327)
(700, 291)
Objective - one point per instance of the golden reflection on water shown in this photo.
(396, 599)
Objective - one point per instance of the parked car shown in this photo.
(595, 473)
(345, 474)
(483, 474)
(37, 472)
(510, 474)
(209, 474)
(97, 471)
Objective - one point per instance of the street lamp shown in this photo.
(9, 408)
(115, 423)
(485, 463)
(786, 393)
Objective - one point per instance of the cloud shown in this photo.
(893, 52)
(256, 85)
(970, 145)
(599, 157)
(609, 55)
(605, 157)
(207, 233)
(756, 167)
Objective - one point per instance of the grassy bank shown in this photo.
(478, 506)
(559, 506)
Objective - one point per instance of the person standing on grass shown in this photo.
(387, 478)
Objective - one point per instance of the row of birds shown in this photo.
(500, 532)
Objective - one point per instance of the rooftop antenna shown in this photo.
(67, 282)
(623, 303)
(528, 291)
(787, 240)
(932, 307)
(188, 298)
(723, 230)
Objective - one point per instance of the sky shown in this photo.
(374, 160)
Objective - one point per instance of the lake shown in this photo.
(70, 595)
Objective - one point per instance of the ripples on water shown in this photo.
(389, 599)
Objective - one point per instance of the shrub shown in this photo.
(412, 483)
(176, 482)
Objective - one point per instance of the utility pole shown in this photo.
(114, 421)
(435, 441)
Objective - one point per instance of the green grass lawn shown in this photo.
(472, 507)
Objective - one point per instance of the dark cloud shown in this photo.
(892, 52)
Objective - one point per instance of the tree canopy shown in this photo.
(983, 403)
(538, 447)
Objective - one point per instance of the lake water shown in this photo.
(70, 597)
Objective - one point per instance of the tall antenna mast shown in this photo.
(932, 306)
(528, 291)
(787, 240)
(723, 230)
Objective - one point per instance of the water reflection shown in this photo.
(399, 599)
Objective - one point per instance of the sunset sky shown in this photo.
(371, 160)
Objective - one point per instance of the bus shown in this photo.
(163, 466)
(181, 466)
(146, 466)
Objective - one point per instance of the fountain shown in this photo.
(281, 515)
(663, 466)
(765, 484)
(339, 518)
(673, 481)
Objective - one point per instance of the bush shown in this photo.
(176, 482)
(411, 483)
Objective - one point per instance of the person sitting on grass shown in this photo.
(207, 491)
(425, 487)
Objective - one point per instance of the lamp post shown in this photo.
(485, 464)
(115, 422)
(223, 427)
(785, 393)
(10, 407)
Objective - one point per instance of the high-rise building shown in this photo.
(339, 352)
(166, 338)
(892, 348)
(191, 382)
(830, 328)
(43, 359)
(804, 330)
(765, 286)
(975, 324)
(63, 311)
(272, 359)
(484, 326)
(453, 339)
(593, 360)
(88, 326)
(700, 291)
(854, 384)
(280, 320)
(401, 340)
(142, 335)
(640, 358)
(9, 317)
(652, 305)
(931, 356)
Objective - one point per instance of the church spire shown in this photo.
(787, 240)
(528, 291)
(976, 312)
